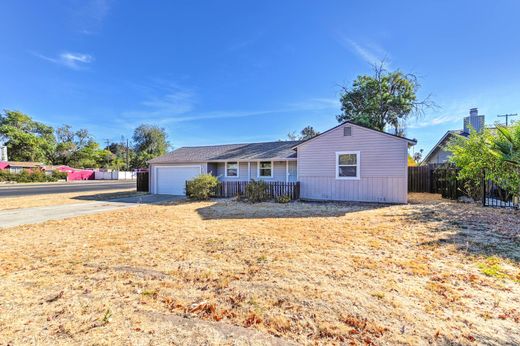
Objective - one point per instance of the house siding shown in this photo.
(383, 167)
(441, 156)
(279, 171)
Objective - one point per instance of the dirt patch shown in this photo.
(211, 272)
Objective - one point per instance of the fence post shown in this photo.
(483, 187)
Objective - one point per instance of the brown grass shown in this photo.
(62, 198)
(228, 272)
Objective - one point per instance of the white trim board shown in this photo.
(358, 165)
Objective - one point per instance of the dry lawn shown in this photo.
(62, 198)
(225, 272)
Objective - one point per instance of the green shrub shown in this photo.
(202, 187)
(257, 191)
(5, 175)
(31, 176)
(59, 175)
(283, 199)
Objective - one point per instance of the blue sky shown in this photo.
(240, 71)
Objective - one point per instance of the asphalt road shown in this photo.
(12, 190)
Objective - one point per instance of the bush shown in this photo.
(202, 187)
(257, 191)
(31, 176)
(283, 199)
(59, 175)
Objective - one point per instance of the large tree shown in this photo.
(383, 100)
(149, 141)
(78, 149)
(26, 139)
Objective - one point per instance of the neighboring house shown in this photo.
(439, 154)
(17, 167)
(346, 163)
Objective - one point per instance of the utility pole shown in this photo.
(127, 166)
(507, 117)
(107, 142)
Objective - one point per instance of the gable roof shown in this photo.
(443, 140)
(410, 141)
(280, 150)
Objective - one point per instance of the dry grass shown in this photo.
(226, 272)
(62, 198)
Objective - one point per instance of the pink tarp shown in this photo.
(4, 165)
(80, 175)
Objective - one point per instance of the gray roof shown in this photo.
(280, 150)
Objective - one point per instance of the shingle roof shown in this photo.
(280, 150)
(28, 164)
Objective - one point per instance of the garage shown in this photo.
(171, 180)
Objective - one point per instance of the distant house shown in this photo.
(17, 167)
(346, 163)
(439, 154)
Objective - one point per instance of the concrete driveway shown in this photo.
(24, 216)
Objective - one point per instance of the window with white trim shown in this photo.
(231, 169)
(347, 165)
(265, 169)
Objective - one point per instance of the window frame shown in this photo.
(358, 164)
(226, 169)
(258, 170)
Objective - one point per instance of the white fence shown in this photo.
(115, 175)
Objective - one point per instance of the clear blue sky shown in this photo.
(239, 71)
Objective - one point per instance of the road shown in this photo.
(13, 190)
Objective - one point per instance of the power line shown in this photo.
(507, 116)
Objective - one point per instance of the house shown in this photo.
(439, 154)
(18, 167)
(346, 163)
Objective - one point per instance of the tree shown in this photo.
(26, 139)
(411, 161)
(418, 156)
(507, 145)
(385, 99)
(306, 133)
(118, 157)
(78, 149)
(480, 157)
(149, 141)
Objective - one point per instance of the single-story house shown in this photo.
(346, 163)
(439, 154)
(17, 167)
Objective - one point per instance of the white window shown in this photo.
(265, 169)
(232, 169)
(347, 165)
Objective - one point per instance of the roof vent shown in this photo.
(347, 131)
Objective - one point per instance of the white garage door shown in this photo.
(172, 180)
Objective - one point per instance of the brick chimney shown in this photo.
(474, 121)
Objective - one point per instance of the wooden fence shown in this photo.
(274, 189)
(142, 181)
(434, 178)
(420, 179)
